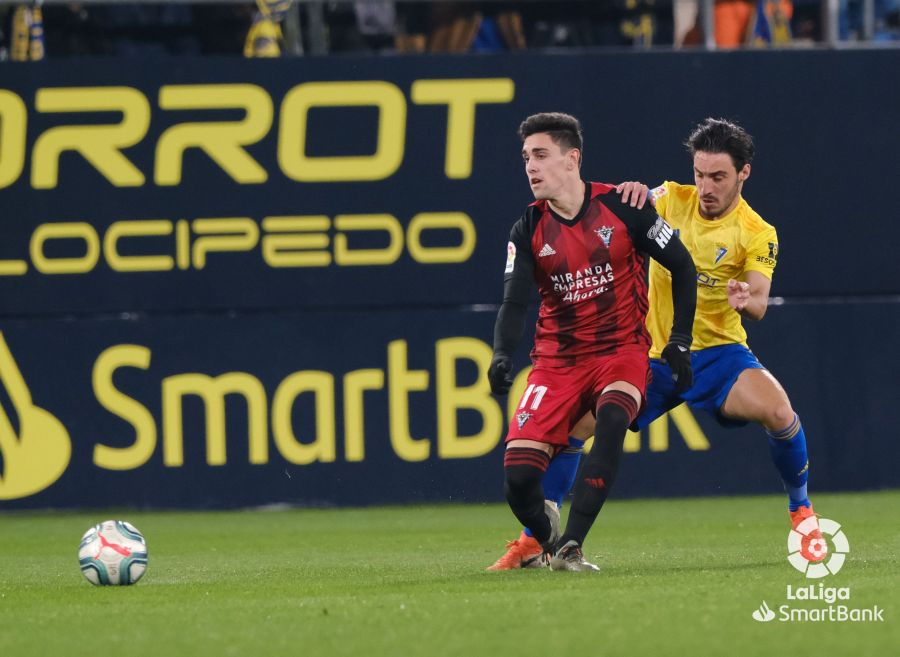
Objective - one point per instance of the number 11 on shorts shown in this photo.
(538, 392)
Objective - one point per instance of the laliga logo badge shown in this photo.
(806, 551)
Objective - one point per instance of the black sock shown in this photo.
(525, 468)
(615, 411)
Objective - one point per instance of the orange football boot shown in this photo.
(524, 552)
(813, 545)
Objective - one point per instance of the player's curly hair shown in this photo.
(564, 129)
(722, 136)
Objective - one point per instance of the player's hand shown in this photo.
(500, 374)
(633, 193)
(678, 357)
(738, 294)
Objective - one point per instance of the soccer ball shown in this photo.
(113, 552)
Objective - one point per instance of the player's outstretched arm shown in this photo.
(750, 298)
(677, 353)
(652, 235)
(508, 330)
(517, 285)
(676, 258)
(655, 237)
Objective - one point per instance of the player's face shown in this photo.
(548, 168)
(718, 182)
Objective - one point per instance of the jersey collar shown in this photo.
(588, 189)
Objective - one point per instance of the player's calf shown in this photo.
(615, 411)
(524, 469)
(787, 447)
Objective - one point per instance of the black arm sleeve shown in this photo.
(651, 234)
(509, 328)
(518, 283)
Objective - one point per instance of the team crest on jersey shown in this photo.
(522, 418)
(510, 257)
(720, 252)
(605, 234)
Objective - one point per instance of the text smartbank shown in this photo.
(835, 610)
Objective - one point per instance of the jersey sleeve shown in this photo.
(659, 197)
(518, 281)
(651, 234)
(518, 278)
(762, 252)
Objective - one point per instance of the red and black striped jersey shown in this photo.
(591, 275)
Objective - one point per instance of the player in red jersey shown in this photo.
(586, 251)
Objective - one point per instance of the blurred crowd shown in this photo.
(271, 28)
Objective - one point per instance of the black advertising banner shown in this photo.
(227, 282)
(325, 408)
(213, 184)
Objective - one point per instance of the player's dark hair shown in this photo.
(564, 129)
(722, 136)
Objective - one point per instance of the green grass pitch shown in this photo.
(680, 577)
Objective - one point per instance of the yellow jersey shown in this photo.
(722, 248)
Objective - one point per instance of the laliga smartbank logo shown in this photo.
(34, 446)
(807, 550)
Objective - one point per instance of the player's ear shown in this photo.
(574, 158)
(744, 173)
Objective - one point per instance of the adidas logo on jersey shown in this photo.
(546, 251)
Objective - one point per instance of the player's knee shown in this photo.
(613, 419)
(524, 469)
(779, 417)
(614, 408)
(607, 413)
(522, 478)
(521, 483)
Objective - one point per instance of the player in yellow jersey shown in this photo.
(735, 252)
